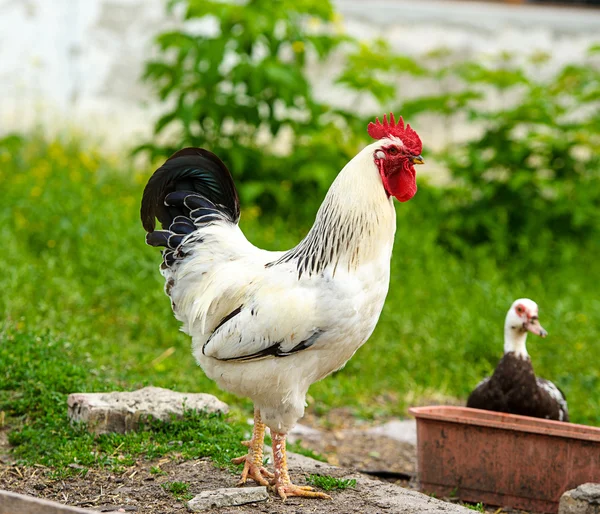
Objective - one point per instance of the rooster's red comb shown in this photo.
(409, 137)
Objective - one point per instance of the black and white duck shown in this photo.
(514, 388)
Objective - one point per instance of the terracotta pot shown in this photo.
(503, 459)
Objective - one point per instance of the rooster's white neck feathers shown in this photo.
(356, 220)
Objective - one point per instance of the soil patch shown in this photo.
(140, 490)
(142, 487)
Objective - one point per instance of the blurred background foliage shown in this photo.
(79, 275)
(242, 91)
(517, 214)
(527, 181)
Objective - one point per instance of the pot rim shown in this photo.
(504, 421)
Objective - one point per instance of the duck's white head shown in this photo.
(522, 317)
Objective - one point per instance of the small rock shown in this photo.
(403, 430)
(585, 499)
(227, 497)
(303, 433)
(123, 411)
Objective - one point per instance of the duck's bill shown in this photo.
(534, 327)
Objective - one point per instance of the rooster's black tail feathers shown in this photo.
(191, 188)
(191, 171)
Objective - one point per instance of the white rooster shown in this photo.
(266, 325)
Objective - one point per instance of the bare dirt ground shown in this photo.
(347, 443)
(138, 489)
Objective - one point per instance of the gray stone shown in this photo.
(123, 411)
(227, 497)
(403, 430)
(15, 503)
(303, 433)
(585, 499)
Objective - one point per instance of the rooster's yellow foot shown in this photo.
(288, 489)
(252, 470)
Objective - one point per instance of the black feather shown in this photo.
(183, 219)
(190, 169)
(174, 241)
(169, 213)
(202, 211)
(196, 202)
(168, 258)
(275, 349)
(232, 314)
(184, 228)
(178, 197)
(158, 238)
(207, 218)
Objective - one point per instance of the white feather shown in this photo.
(556, 395)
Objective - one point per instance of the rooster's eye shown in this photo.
(393, 150)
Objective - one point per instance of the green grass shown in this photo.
(297, 447)
(479, 507)
(180, 490)
(83, 309)
(327, 483)
(39, 371)
(37, 374)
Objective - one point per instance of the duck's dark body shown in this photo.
(514, 388)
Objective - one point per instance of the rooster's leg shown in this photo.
(253, 460)
(282, 483)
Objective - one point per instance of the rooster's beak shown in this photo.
(417, 159)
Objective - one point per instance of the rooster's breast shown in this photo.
(349, 305)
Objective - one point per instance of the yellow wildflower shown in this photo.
(252, 212)
(56, 150)
(41, 170)
(88, 161)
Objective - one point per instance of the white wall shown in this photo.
(77, 63)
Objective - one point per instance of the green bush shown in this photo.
(242, 92)
(529, 184)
